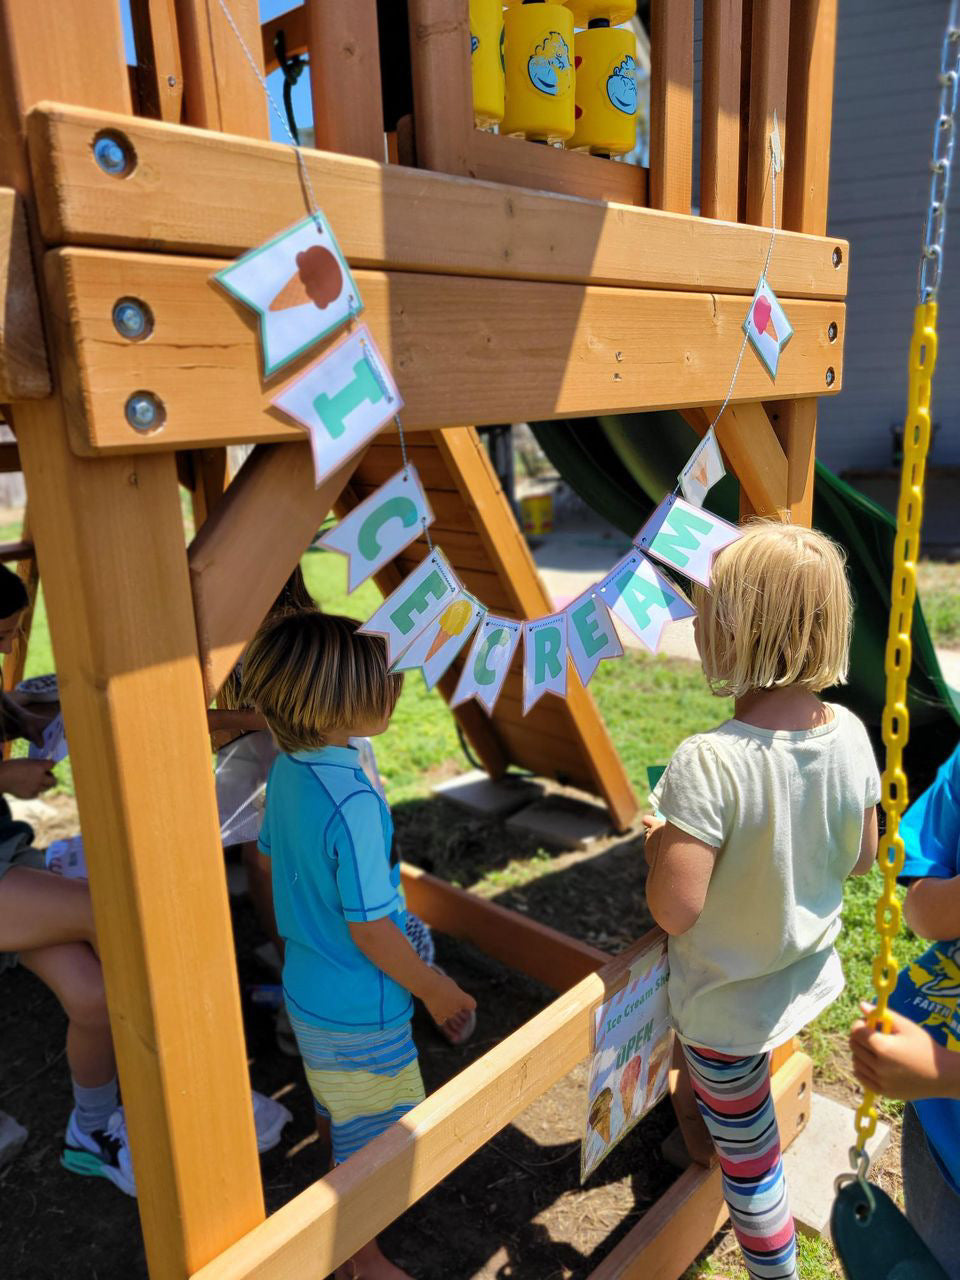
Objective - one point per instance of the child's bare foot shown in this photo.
(369, 1263)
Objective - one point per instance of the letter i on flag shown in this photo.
(591, 635)
(488, 662)
(439, 643)
(544, 658)
(417, 602)
(382, 526)
(643, 599)
(703, 470)
(342, 400)
(685, 537)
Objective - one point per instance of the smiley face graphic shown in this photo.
(549, 66)
(622, 86)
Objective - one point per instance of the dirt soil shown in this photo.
(514, 1210)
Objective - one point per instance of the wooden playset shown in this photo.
(504, 281)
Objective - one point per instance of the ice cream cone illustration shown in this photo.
(700, 475)
(628, 1082)
(318, 279)
(763, 318)
(454, 619)
(599, 1118)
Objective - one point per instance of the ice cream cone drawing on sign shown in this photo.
(600, 1113)
(628, 1083)
(701, 476)
(767, 327)
(763, 318)
(318, 279)
(452, 623)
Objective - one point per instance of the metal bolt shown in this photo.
(831, 377)
(172, 81)
(111, 155)
(837, 256)
(832, 331)
(144, 411)
(132, 319)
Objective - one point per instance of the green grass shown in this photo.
(815, 1261)
(938, 583)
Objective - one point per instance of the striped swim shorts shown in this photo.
(363, 1080)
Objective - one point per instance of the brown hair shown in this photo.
(293, 595)
(308, 673)
(777, 612)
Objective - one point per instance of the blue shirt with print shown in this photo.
(928, 990)
(328, 835)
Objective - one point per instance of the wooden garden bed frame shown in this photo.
(548, 306)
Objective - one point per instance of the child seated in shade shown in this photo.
(349, 969)
(762, 820)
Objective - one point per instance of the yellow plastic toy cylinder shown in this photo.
(486, 58)
(606, 91)
(539, 71)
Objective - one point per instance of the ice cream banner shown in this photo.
(438, 644)
(703, 470)
(544, 659)
(767, 327)
(299, 285)
(631, 1061)
(642, 598)
(418, 601)
(488, 661)
(591, 635)
(380, 528)
(342, 400)
(685, 537)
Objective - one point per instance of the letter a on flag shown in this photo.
(488, 662)
(342, 400)
(378, 529)
(417, 601)
(685, 537)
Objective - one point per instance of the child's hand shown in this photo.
(26, 778)
(445, 1000)
(906, 1064)
(653, 829)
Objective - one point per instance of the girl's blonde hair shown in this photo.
(309, 673)
(777, 612)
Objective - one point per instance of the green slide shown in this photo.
(622, 466)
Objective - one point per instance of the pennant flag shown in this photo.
(767, 327)
(418, 601)
(544, 658)
(379, 528)
(591, 635)
(299, 285)
(342, 400)
(643, 599)
(703, 470)
(685, 537)
(488, 661)
(439, 643)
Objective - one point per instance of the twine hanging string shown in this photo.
(314, 209)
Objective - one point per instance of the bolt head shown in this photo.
(144, 411)
(110, 156)
(131, 319)
(172, 81)
(831, 377)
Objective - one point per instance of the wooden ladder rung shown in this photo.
(16, 551)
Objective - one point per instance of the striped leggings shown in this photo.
(735, 1101)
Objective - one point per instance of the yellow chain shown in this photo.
(896, 718)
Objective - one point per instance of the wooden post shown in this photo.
(671, 105)
(720, 111)
(220, 89)
(345, 77)
(442, 88)
(159, 71)
(768, 93)
(109, 540)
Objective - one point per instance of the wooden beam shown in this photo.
(9, 457)
(318, 1229)
(293, 24)
(345, 77)
(813, 38)
(753, 453)
(249, 546)
(511, 557)
(441, 334)
(720, 112)
(159, 70)
(795, 423)
(29, 574)
(442, 89)
(684, 1219)
(569, 173)
(769, 57)
(182, 197)
(220, 89)
(522, 944)
(209, 475)
(671, 104)
(24, 372)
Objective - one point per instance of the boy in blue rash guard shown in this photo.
(349, 969)
(919, 1060)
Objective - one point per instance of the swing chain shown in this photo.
(931, 261)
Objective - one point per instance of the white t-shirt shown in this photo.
(785, 811)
